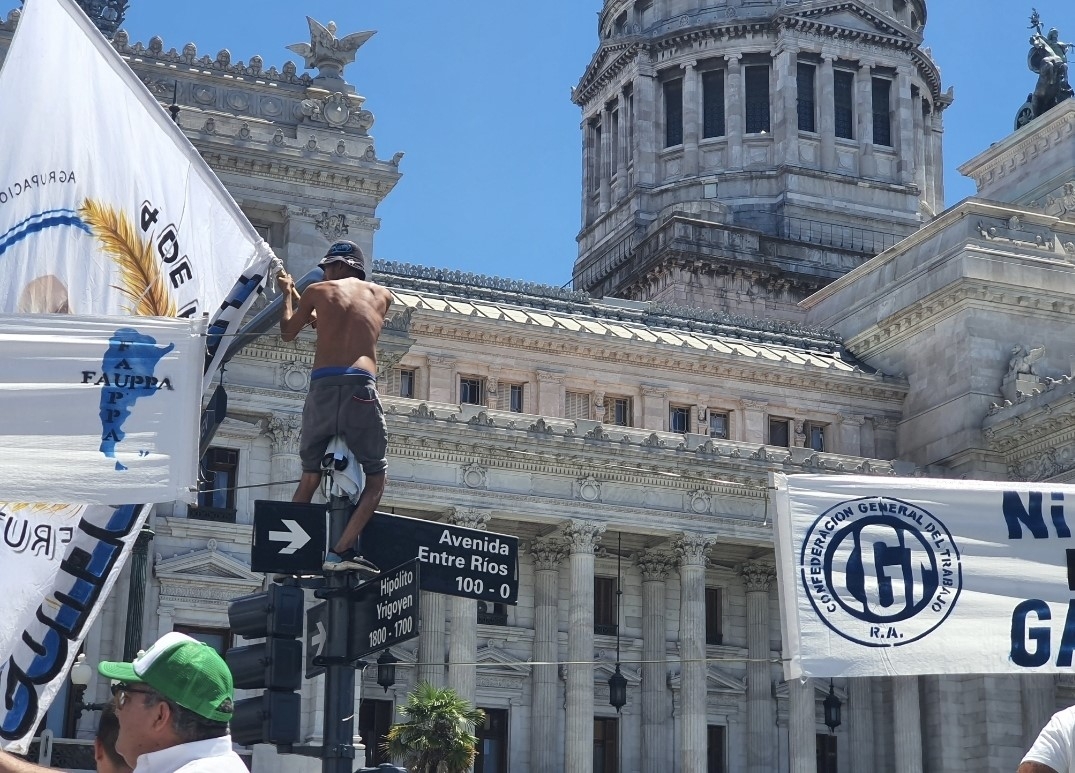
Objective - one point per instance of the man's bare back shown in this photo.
(349, 313)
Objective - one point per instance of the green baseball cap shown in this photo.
(183, 670)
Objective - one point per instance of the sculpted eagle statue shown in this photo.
(328, 53)
(1023, 361)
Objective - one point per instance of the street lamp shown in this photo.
(617, 683)
(832, 709)
(80, 680)
(386, 669)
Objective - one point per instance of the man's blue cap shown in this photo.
(346, 252)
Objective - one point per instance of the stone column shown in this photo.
(884, 438)
(604, 162)
(785, 107)
(619, 156)
(860, 722)
(690, 550)
(850, 430)
(654, 407)
(655, 567)
(550, 393)
(761, 712)
(1038, 692)
(734, 120)
(827, 113)
(463, 642)
(904, 126)
(587, 172)
(692, 124)
(753, 429)
(431, 638)
(548, 555)
(802, 726)
(919, 145)
(936, 135)
(867, 162)
(582, 538)
(645, 126)
(442, 386)
(284, 464)
(907, 724)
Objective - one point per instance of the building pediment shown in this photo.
(821, 691)
(208, 564)
(717, 680)
(850, 16)
(494, 661)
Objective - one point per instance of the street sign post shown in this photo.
(384, 611)
(289, 538)
(316, 638)
(455, 561)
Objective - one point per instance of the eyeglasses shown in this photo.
(121, 692)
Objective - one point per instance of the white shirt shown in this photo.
(1054, 744)
(213, 755)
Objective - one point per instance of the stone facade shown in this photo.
(628, 441)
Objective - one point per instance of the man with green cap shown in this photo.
(173, 704)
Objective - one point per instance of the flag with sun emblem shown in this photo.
(113, 226)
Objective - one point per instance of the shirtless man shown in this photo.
(348, 313)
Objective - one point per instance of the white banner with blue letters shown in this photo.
(106, 209)
(891, 576)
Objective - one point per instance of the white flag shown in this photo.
(105, 206)
(903, 576)
(99, 410)
(105, 209)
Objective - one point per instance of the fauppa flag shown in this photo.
(105, 206)
(106, 210)
(892, 577)
(99, 410)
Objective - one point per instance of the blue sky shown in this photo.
(477, 96)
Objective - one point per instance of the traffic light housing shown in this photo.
(275, 665)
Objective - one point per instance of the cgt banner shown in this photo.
(92, 407)
(890, 576)
(106, 209)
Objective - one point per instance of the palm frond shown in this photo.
(438, 734)
(142, 282)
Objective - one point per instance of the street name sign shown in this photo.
(316, 637)
(289, 538)
(384, 611)
(455, 561)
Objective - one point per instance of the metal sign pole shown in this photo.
(339, 728)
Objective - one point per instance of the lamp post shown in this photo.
(832, 706)
(386, 669)
(80, 680)
(617, 683)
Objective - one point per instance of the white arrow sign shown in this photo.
(318, 639)
(295, 536)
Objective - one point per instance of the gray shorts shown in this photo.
(347, 406)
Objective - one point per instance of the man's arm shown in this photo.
(9, 763)
(294, 320)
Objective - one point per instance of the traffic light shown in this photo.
(274, 665)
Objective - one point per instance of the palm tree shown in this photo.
(438, 736)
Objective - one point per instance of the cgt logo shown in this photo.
(879, 571)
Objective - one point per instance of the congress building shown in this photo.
(767, 281)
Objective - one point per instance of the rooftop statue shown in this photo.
(328, 53)
(1048, 57)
